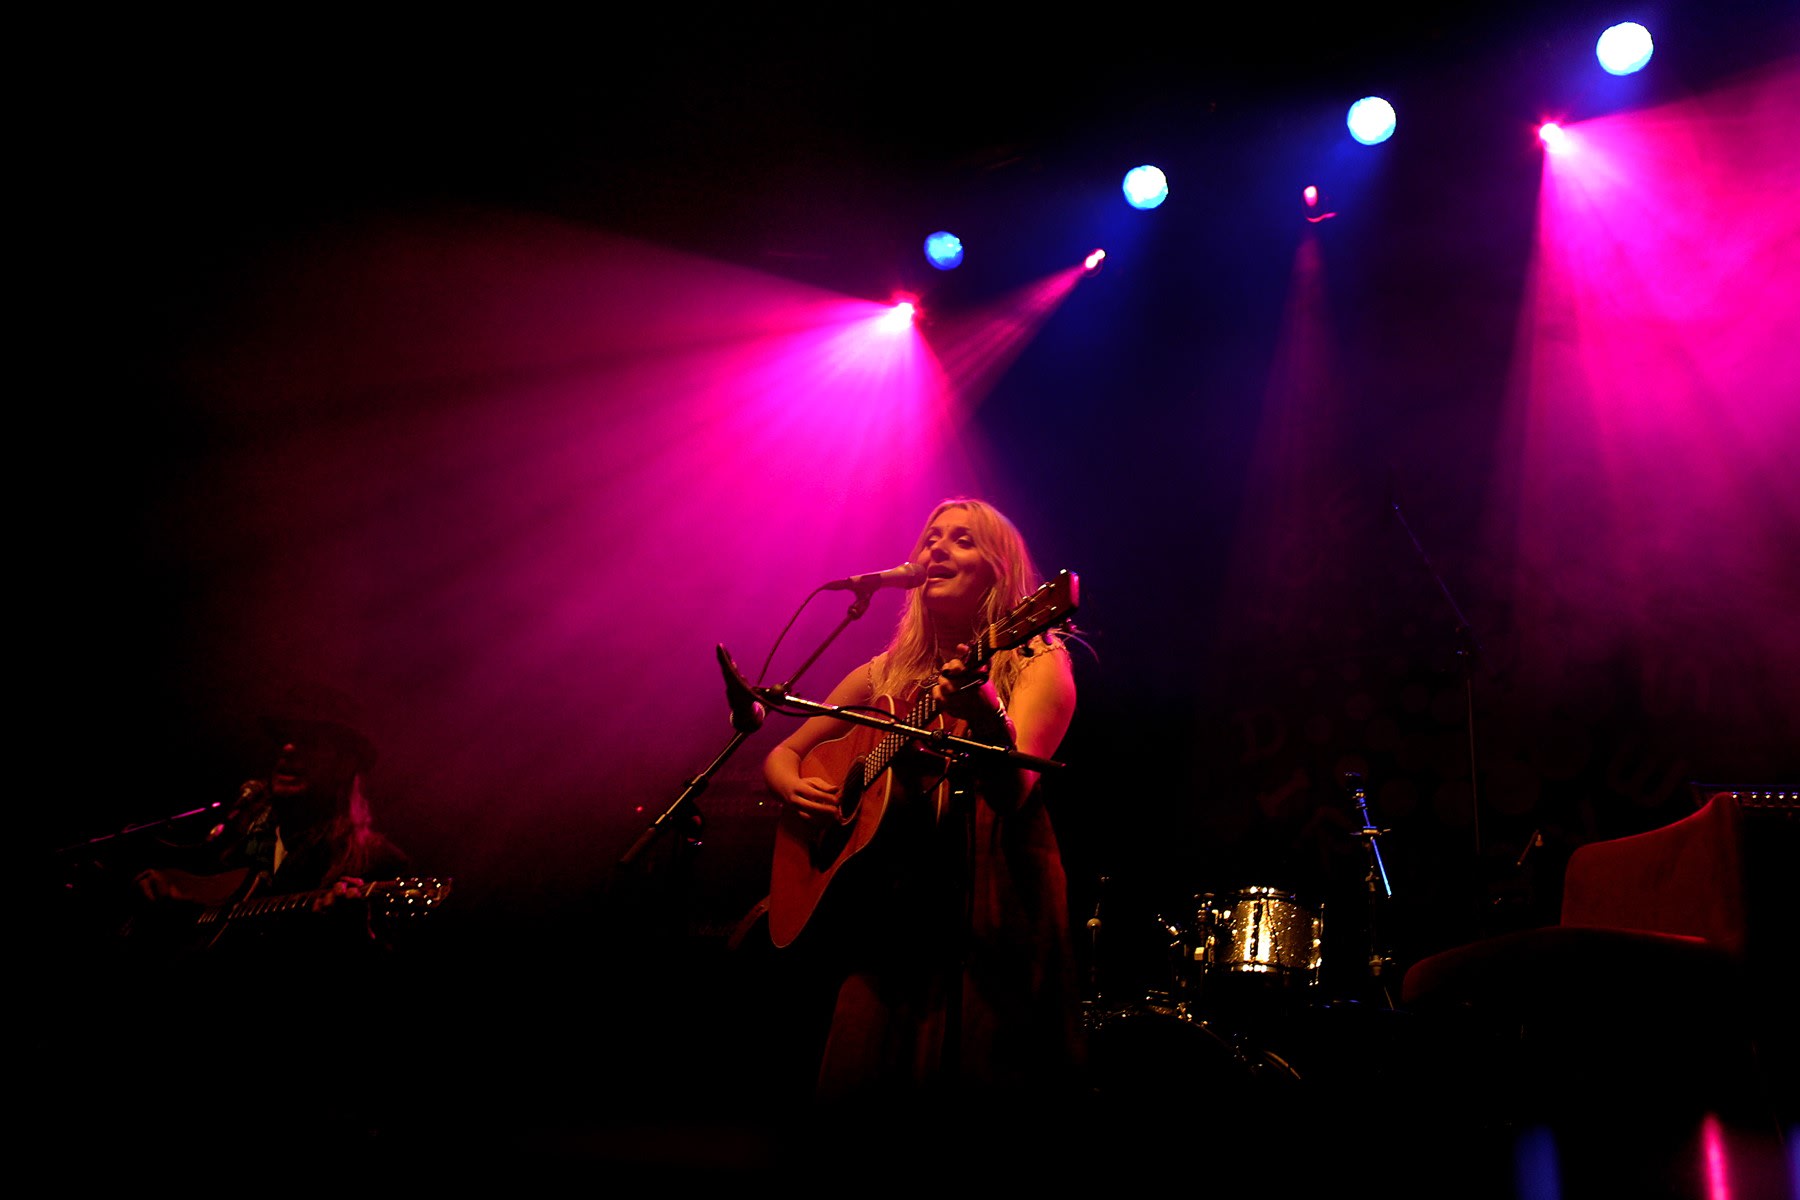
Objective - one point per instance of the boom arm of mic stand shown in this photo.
(1468, 650)
(776, 700)
(141, 827)
(691, 792)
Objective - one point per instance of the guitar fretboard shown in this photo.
(406, 894)
(876, 761)
(259, 907)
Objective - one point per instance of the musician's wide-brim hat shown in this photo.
(316, 710)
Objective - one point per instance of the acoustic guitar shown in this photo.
(808, 856)
(218, 902)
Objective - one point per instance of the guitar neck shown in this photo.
(923, 713)
(262, 906)
(417, 894)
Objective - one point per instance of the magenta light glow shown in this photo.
(1655, 391)
(515, 479)
(1712, 1146)
(1313, 205)
(975, 348)
(1304, 428)
(898, 317)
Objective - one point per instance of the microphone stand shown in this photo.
(1468, 649)
(747, 715)
(934, 739)
(746, 719)
(749, 707)
(100, 840)
(91, 849)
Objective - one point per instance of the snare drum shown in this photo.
(1259, 935)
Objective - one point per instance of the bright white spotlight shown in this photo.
(1145, 187)
(1371, 120)
(1624, 48)
(1555, 138)
(1092, 262)
(899, 316)
(944, 250)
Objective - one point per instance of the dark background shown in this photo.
(299, 416)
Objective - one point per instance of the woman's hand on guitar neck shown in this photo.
(966, 693)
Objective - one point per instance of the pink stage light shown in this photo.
(1314, 206)
(900, 313)
(1556, 139)
(1652, 412)
(1092, 262)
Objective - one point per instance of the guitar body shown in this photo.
(177, 924)
(210, 891)
(809, 855)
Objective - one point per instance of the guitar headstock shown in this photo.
(408, 897)
(1051, 605)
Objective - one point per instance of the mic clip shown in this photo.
(747, 713)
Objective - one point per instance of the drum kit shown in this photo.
(1238, 1004)
(1238, 960)
(1224, 1029)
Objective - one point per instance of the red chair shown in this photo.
(1657, 998)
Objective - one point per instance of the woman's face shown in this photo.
(957, 574)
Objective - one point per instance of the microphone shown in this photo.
(906, 575)
(746, 714)
(252, 789)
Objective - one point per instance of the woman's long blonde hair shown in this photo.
(914, 655)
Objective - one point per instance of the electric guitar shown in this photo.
(809, 855)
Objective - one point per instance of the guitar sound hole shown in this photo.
(851, 797)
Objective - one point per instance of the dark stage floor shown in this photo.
(524, 1066)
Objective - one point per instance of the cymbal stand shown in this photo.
(1380, 890)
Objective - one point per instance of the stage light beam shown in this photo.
(900, 315)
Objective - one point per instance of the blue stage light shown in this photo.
(1145, 187)
(1624, 48)
(944, 250)
(1371, 120)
